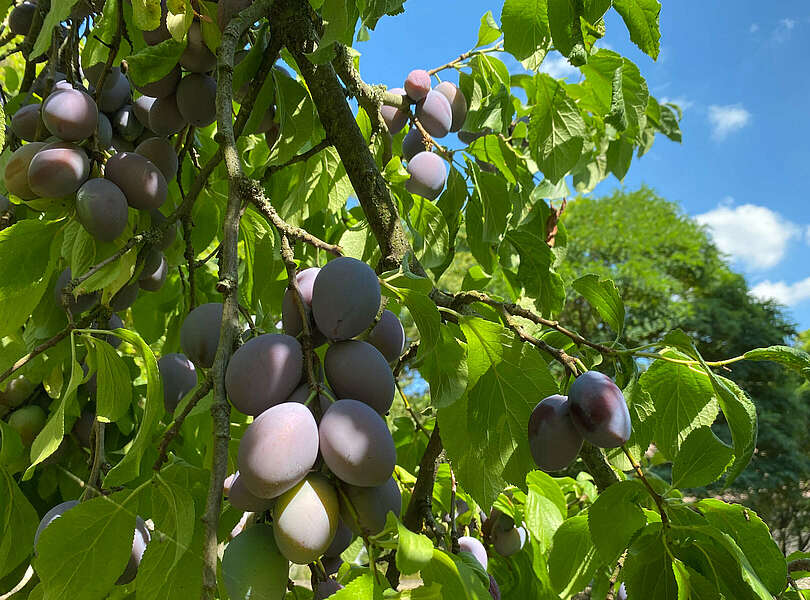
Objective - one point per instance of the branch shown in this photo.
(202, 392)
(597, 466)
(115, 44)
(422, 496)
(304, 156)
(462, 57)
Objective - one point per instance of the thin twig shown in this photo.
(163, 449)
(304, 156)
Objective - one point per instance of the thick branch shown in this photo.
(422, 496)
(597, 466)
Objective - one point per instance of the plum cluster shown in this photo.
(594, 410)
(439, 110)
(318, 458)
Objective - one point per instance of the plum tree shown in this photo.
(458, 103)
(428, 175)
(196, 99)
(278, 449)
(199, 334)
(140, 539)
(599, 410)
(15, 175)
(371, 505)
(472, 545)
(142, 182)
(53, 514)
(58, 170)
(154, 272)
(252, 566)
(412, 144)
(70, 115)
(358, 370)
(305, 519)
(161, 154)
(162, 87)
(345, 298)
(388, 336)
(435, 114)
(395, 119)
(101, 208)
(27, 123)
(342, 540)
(240, 497)
(164, 116)
(417, 84)
(179, 377)
(17, 391)
(197, 58)
(264, 372)
(76, 304)
(19, 21)
(356, 444)
(28, 421)
(126, 124)
(554, 440)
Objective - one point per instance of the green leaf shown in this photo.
(525, 27)
(484, 432)
(11, 446)
(572, 561)
(95, 50)
(703, 459)
(618, 91)
(556, 129)
(619, 157)
(372, 10)
(153, 62)
(648, 569)
(113, 381)
(296, 115)
(545, 508)
(615, 518)
(18, 522)
(562, 20)
(82, 553)
(494, 150)
(641, 19)
(753, 538)
(604, 296)
(129, 467)
(431, 239)
(146, 14)
(445, 369)
(684, 400)
(179, 507)
(793, 358)
(157, 580)
(458, 580)
(488, 31)
(25, 270)
(59, 11)
(741, 416)
(542, 284)
(413, 291)
(414, 551)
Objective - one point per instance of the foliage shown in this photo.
(253, 209)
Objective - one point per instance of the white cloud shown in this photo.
(727, 119)
(788, 23)
(684, 103)
(783, 30)
(789, 294)
(558, 66)
(752, 235)
(754, 28)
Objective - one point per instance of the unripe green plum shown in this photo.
(197, 58)
(160, 88)
(161, 154)
(253, 568)
(142, 182)
(199, 334)
(27, 123)
(53, 514)
(17, 391)
(179, 377)
(28, 421)
(345, 298)
(305, 519)
(58, 170)
(140, 539)
(240, 497)
(278, 449)
(70, 115)
(264, 372)
(358, 370)
(371, 505)
(356, 444)
(554, 440)
(15, 175)
(599, 410)
(472, 545)
(101, 208)
(388, 336)
(196, 99)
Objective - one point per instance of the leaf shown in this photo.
(82, 553)
(484, 432)
(146, 14)
(25, 270)
(180, 507)
(151, 63)
(458, 580)
(703, 458)
(488, 31)
(445, 369)
(157, 580)
(494, 150)
(641, 19)
(113, 382)
(562, 20)
(18, 522)
(619, 157)
(129, 467)
(753, 538)
(413, 291)
(95, 50)
(619, 92)
(545, 508)
(556, 129)
(793, 358)
(542, 284)
(59, 11)
(572, 561)
(684, 400)
(296, 115)
(414, 551)
(11, 446)
(604, 296)
(648, 568)
(615, 518)
(431, 238)
(525, 27)
(741, 416)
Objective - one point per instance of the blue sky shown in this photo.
(739, 71)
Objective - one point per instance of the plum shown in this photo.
(599, 410)
(554, 440)
(101, 208)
